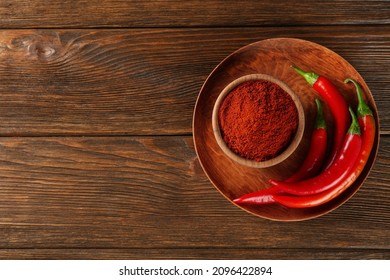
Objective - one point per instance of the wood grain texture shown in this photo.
(150, 193)
(196, 253)
(145, 82)
(122, 13)
(96, 104)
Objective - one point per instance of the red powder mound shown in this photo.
(258, 119)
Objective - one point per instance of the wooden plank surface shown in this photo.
(122, 13)
(145, 81)
(150, 193)
(197, 253)
(96, 155)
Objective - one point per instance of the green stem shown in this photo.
(354, 128)
(311, 78)
(362, 109)
(320, 121)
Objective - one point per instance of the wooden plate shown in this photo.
(274, 57)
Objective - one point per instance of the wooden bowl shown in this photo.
(252, 163)
(274, 57)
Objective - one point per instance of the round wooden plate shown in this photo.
(274, 57)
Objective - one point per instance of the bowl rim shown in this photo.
(289, 149)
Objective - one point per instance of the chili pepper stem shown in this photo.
(362, 109)
(354, 128)
(320, 121)
(311, 78)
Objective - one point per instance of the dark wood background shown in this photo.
(96, 153)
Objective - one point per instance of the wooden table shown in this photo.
(96, 153)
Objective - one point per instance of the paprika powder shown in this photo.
(258, 120)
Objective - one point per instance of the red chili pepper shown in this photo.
(367, 124)
(336, 173)
(337, 106)
(316, 154)
(310, 167)
(368, 127)
(265, 196)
